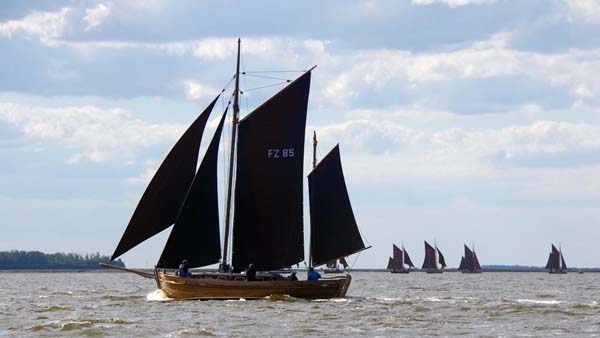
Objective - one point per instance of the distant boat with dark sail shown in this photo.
(469, 263)
(556, 262)
(336, 266)
(267, 147)
(434, 260)
(399, 260)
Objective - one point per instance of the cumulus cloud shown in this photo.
(197, 91)
(586, 10)
(96, 16)
(93, 133)
(47, 26)
(453, 3)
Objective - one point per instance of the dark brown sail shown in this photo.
(441, 258)
(476, 264)
(463, 264)
(391, 264)
(160, 203)
(333, 229)
(429, 261)
(195, 235)
(268, 216)
(407, 260)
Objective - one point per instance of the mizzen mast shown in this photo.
(314, 165)
(224, 267)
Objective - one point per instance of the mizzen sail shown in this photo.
(333, 229)
(195, 235)
(162, 200)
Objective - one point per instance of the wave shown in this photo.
(157, 295)
(537, 301)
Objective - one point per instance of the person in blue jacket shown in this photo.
(183, 269)
(313, 275)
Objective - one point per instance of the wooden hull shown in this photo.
(400, 271)
(433, 271)
(333, 271)
(213, 288)
(561, 272)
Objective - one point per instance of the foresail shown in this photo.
(160, 203)
(333, 229)
(195, 235)
(268, 215)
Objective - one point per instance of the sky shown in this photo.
(459, 121)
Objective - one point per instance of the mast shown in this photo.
(402, 260)
(436, 254)
(560, 267)
(234, 122)
(314, 165)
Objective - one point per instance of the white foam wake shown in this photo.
(157, 296)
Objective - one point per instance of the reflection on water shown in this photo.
(111, 304)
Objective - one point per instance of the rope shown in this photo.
(271, 85)
(278, 71)
(269, 77)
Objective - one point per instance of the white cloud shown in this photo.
(95, 17)
(47, 26)
(197, 91)
(94, 133)
(453, 3)
(586, 10)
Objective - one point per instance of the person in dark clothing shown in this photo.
(251, 273)
(183, 269)
(293, 276)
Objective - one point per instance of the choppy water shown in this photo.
(105, 304)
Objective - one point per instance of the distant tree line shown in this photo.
(16, 259)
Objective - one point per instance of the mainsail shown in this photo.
(160, 204)
(195, 235)
(333, 229)
(268, 220)
(429, 261)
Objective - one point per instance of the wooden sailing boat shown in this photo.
(469, 262)
(556, 262)
(434, 260)
(268, 149)
(399, 259)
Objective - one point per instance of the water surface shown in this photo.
(112, 304)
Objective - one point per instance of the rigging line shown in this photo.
(269, 77)
(271, 85)
(245, 85)
(278, 71)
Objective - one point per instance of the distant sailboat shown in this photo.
(336, 266)
(398, 260)
(469, 262)
(556, 262)
(266, 160)
(434, 260)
